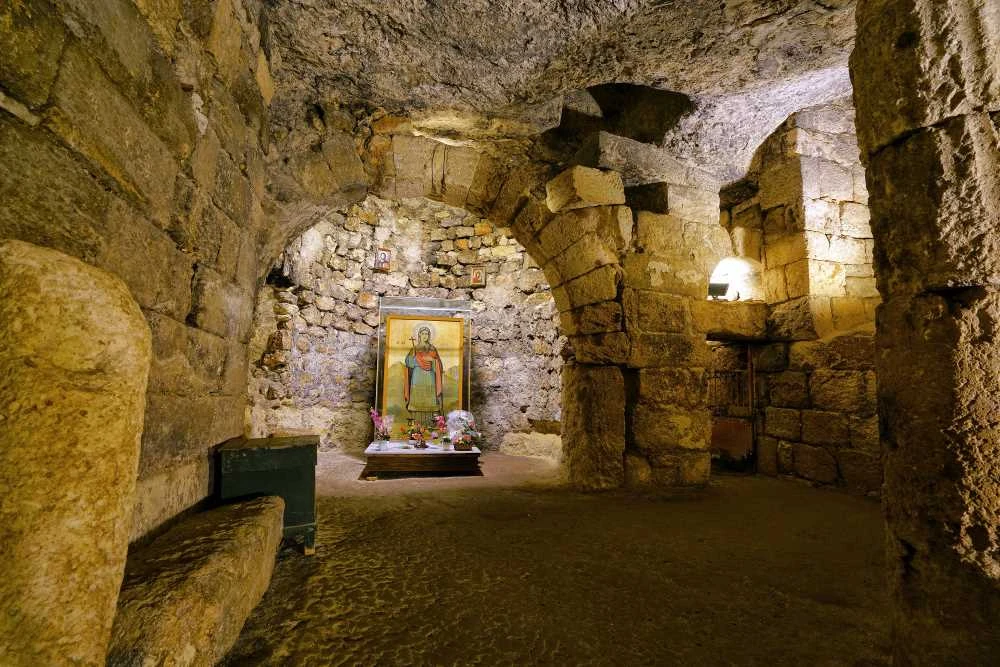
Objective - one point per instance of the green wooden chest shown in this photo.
(283, 467)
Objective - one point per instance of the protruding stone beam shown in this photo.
(582, 187)
(640, 163)
(74, 359)
(731, 320)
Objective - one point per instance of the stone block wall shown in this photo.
(803, 212)
(816, 411)
(624, 283)
(132, 137)
(808, 223)
(314, 359)
(404, 165)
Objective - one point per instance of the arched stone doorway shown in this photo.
(624, 276)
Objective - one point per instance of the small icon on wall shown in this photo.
(383, 259)
(477, 276)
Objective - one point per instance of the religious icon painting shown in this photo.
(477, 276)
(383, 259)
(422, 367)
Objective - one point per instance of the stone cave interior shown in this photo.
(500, 333)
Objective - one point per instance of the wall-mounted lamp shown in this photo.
(736, 279)
(717, 290)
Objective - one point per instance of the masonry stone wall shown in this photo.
(132, 137)
(314, 366)
(816, 415)
(803, 213)
(805, 217)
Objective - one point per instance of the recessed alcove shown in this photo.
(315, 340)
(737, 279)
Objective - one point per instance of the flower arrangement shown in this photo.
(466, 440)
(439, 427)
(415, 431)
(382, 424)
(462, 442)
(462, 431)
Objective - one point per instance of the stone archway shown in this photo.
(624, 279)
(930, 138)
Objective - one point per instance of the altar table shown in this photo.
(398, 457)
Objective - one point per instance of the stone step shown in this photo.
(187, 594)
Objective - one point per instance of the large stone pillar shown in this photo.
(927, 91)
(634, 406)
(579, 236)
(678, 241)
(593, 426)
(74, 359)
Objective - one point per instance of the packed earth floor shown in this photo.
(513, 568)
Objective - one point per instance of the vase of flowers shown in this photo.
(383, 427)
(416, 433)
(465, 439)
(438, 428)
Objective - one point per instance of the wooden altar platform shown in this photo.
(399, 459)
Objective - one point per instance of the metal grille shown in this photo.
(729, 393)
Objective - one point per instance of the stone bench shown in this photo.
(186, 595)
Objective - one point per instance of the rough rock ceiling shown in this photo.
(506, 57)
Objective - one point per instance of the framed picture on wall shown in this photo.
(422, 366)
(477, 276)
(383, 260)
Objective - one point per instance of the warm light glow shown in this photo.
(743, 277)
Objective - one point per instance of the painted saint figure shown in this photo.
(423, 392)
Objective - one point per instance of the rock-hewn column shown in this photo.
(74, 359)
(927, 88)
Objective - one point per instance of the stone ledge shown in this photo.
(731, 320)
(186, 595)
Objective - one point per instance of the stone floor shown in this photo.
(513, 569)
